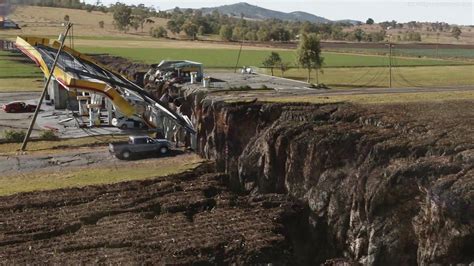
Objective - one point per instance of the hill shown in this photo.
(47, 21)
(260, 13)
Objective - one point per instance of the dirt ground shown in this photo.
(180, 219)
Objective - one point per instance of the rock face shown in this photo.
(384, 185)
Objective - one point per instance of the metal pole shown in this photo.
(390, 64)
(240, 51)
(38, 107)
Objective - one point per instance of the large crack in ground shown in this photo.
(295, 184)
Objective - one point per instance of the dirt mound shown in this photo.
(132, 70)
(187, 218)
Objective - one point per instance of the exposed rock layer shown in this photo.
(384, 185)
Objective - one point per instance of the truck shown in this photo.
(139, 145)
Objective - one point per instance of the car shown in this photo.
(139, 145)
(18, 107)
(126, 123)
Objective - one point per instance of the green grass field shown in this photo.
(379, 76)
(11, 67)
(227, 58)
(16, 75)
(429, 53)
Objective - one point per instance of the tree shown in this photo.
(309, 54)
(272, 61)
(225, 32)
(159, 32)
(369, 21)
(122, 16)
(140, 14)
(190, 29)
(284, 66)
(173, 26)
(456, 32)
(66, 18)
(359, 34)
(135, 22)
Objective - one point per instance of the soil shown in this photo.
(180, 219)
(385, 184)
(303, 184)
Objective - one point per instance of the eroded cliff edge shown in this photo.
(390, 184)
(382, 184)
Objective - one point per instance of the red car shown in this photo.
(18, 107)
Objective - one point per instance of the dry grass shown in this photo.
(104, 174)
(385, 98)
(55, 145)
(46, 21)
(20, 85)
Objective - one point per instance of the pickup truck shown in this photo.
(139, 145)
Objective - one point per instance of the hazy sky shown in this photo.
(452, 11)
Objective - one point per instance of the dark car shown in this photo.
(139, 145)
(18, 107)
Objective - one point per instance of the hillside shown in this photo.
(259, 13)
(46, 21)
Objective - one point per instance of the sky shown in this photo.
(451, 11)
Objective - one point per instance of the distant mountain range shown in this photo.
(259, 13)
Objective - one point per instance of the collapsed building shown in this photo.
(80, 83)
(176, 71)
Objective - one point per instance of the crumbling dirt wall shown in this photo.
(390, 184)
(384, 185)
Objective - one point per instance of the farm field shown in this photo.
(13, 66)
(18, 73)
(227, 58)
(378, 76)
(382, 98)
(458, 53)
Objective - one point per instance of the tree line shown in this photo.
(194, 23)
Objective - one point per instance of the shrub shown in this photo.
(159, 32)
(101, 24)
(14, 135)
(48, 135)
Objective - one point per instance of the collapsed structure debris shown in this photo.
(81, 83)
(174, 71)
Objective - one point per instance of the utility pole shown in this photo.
(240, 52)
(38, 107)
(437, 45)
(390, 45)
(390, 64)
(389, 58)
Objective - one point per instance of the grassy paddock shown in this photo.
(97, 175)
(380, 98)
(52, 146)
(21, 84)
(11, 67)
(431, 53)
(379, 76)
(227, 58)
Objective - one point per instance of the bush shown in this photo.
(159, 32)
(101, 24)
(48, 135)
(14, 135)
